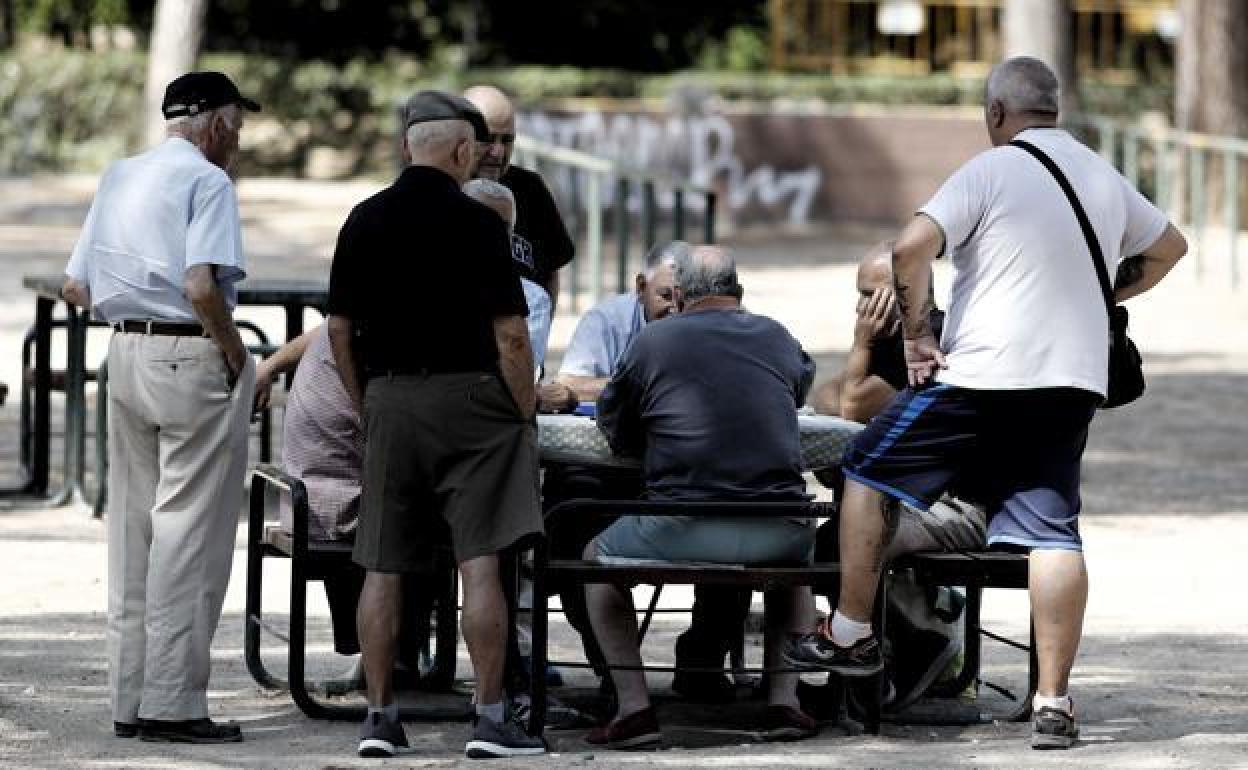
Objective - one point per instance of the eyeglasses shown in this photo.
(503, 139)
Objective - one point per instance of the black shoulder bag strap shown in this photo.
(1126, 376)
(1094, 246)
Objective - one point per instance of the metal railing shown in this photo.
(598, 196)
(1174, 168)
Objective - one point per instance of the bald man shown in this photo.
(876, 367)
(540, 242)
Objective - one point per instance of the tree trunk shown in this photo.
(1041, 28)
(177, 29)
(1211, 92)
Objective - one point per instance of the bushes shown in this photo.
(68, 109)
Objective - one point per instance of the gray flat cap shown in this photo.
(424, 106)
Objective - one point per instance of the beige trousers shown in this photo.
(177, 450)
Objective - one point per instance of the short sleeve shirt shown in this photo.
(539, 321)
(154, 216)
(541, 244)
(422, 271)
(1026, 310)
(323, 442)
(602, 335)
(709, 399)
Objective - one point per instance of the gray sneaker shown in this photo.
(380, 737)
(816, 652)
(491, 740)
(1053, 729)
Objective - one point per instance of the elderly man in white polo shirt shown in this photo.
(158, 258)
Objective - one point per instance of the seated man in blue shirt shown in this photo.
(605, 331)
(600, 339)
(709, 400)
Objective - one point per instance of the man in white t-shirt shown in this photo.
(998, 410)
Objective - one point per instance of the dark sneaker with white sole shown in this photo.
(816, 652)
(1053, 729)
(189, 731)
(381, 737)
(491, 740)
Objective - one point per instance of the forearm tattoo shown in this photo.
(1130, 271)
(910, 328)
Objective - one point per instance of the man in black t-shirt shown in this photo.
(876, 367)
(541, 244)
(445, 387)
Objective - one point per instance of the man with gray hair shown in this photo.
(600, 339)
(157, 259)
(503, 202)
(450, 445)
(605, 331)
(709, 400)
(998, 409)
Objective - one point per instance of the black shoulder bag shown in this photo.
(1126, 374)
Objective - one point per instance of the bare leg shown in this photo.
(1058, 585)
(484, 625)
(787, 611)
(377, 623)
(614, 619)
(868, 521)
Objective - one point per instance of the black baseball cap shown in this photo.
(196, 92)
(424, 106)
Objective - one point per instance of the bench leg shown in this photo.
(253, 611)
(1022, 712)
(537, 655)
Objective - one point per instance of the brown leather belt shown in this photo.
(165, 328)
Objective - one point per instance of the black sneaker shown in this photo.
(491, 740)
(816, 652)
(189, 731)
(381, 737)
(1053, 729)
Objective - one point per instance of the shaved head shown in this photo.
(500, 118)
(875, 271)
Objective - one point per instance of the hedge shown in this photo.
(63, 109)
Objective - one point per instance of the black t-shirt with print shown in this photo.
(541, 244)
(422, 271)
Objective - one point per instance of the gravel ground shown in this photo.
(1161, 679)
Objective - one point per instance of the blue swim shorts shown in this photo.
(1016, 453)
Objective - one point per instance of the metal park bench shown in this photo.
(974, 570)
(312, 560)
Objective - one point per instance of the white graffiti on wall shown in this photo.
(699, 148)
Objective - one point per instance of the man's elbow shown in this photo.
(338, 327)
(1180, 247)
(855, 411)
(76, 293)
